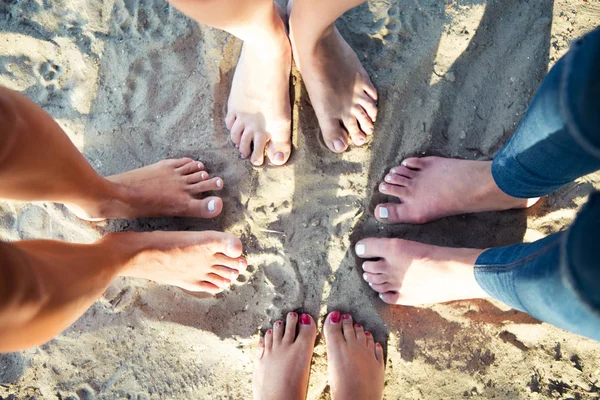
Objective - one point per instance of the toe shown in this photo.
(278, 329)
(225, 272)
(376, 279)
(393, 190)
(190, 167)
(394, 213)
(196, 177)
(290, 327)
(403, 171)
(258, 152)
(333, 327)
(236, 131)
(279, 152)
(223, 243)
(366, 125)
(413, 163)
(390, 297)
(335, 137)
(383, 288)
(374, 247)
(348, 328)
(360, 333)
(379, 353)
(203, 286)
(179, 162)
(206, 208)
(218, 280)
(374, 267)
(261, 349)
(239, 264)
(206, 186)
(269, 340)
(370, 341)
(308, 329)
(357, 136)
(246, 144)
(370, 90)
(369, 106)
(398, 180)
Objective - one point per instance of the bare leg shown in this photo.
(434, 187)
(258, 110)
(355, 361)
(38, 162)
(404, 268)
(46, 285)
(283, 365)
(341, 93)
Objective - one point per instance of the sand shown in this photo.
(134, 81)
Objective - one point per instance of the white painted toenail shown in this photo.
(388, 178)
(365, 277)
(230, 248)
(393, 171)
(383, 212)
(370, 284)
(363, 266)
(212, 205)
(241, 264)
(219, 183)
(404, 163)
(383, 187)
(203, 175)
(381, 296)
(360, 249)
(199, 165)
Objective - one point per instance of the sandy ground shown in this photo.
(133, 82)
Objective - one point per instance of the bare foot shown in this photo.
(341, 93)
(198, 261)
(258, 110)
(355, 361)
(284, 359)
(434, 187)
(167, 188)
(411, 273)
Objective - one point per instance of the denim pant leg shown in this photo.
(558, 139)
(555, 279)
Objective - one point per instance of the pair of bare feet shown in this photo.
(355, 361)
(341, 93)
(206, 261)
(430, 188)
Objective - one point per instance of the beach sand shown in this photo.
(133, 82)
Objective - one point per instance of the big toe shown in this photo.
(206, 208)
(335, 137)
(279, 152)
(333, 328)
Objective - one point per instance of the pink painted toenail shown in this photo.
(305, 319)
(338, 145)
(293, 314)
(243, 156)
(368, 333)
(278, 323)
(346, 316)
(269, 331)
(279, 157)
(335, 317)
(357, 326)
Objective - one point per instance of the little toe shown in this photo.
(390, 297)
(290, 327)
(278, 329)
(258, 152)
(357, 136)
(308, 329)
(374, 267)
(196, 177)
(333, 328)
(348, 328)
(236, 131)
(246, 144)
(206, 186)
(373, 247)
(206, 208)
(366, 124)
(269, 340)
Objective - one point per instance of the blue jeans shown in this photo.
(556, 279)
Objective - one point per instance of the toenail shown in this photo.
(269, 331)
(360, 249)
(230, 248)
(338, 145)
(293, 314)
(368, 333)
(383, 213)
(393, 171)
(305, 319)
(365, 277)
(404, 163)
(388, 178)
(279, 157)
(382, 187)
(199, 165)
(381, 296)
(363, 266)
(346, 316)
(357, 326)
(242, 156)
(219, 183)
(241, 264)
(371, 284)
(203, 175)
(278, 323)
(212, 205)
(335, 317)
